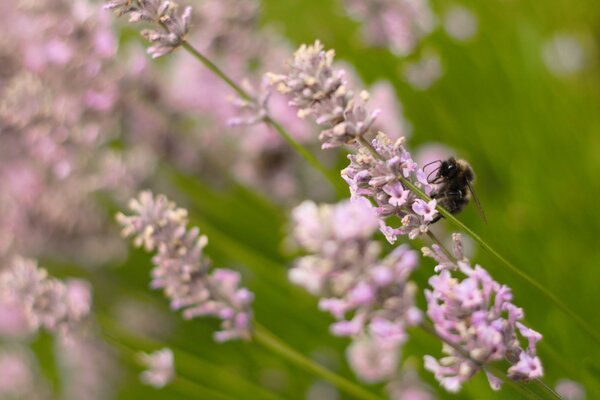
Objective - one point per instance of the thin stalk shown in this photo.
(276, 345)
(334, 179)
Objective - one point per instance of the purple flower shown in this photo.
(426, 210)
(527, 368)
(379, 165)
(318, 90)
(370, 296)
(182, 270)
(174, 27)
(475, 314)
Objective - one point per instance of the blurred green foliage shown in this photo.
(532, 138)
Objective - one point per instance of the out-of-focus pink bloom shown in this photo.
(47, 302)
(570, 390)
(460, 23)
(425, 72)
(160, 368)
(397, 24)
(369, 296)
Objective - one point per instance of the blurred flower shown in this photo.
(373, 360)
(19, 376)
(370, 297)
(160, 368)
(61, 101)
(397, 24)
(570, 390)
(423, 73)
(88, 367)
(408, 386)
(182, 270)
(59, 307)
(322, 390)
(477, 315)
(564, 54)
(460, 23)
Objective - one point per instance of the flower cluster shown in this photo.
(59, 307)
(375, 173)
(160, 368)
(377, 169)
(319, 90)
(370, 297)
(476, 315)
(182, 270)
(397, 24)
(175, 26)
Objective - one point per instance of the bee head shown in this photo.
(449, 168)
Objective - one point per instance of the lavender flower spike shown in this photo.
(377, 169)
(318, 90)
(174, 26)
(476, 314)
(370, 297)
(182, 270)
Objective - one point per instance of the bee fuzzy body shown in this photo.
(453, 191)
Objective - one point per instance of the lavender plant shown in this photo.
(476, 314)
(182, 271)
(377, 169)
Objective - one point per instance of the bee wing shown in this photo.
(436, 178)
(477, 203)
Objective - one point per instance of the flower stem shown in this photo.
(334, 179)
(271, 342)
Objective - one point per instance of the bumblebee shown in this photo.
(454, 179)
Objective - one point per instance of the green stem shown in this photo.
(549, 295)
(276, 345)
(334, 179)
